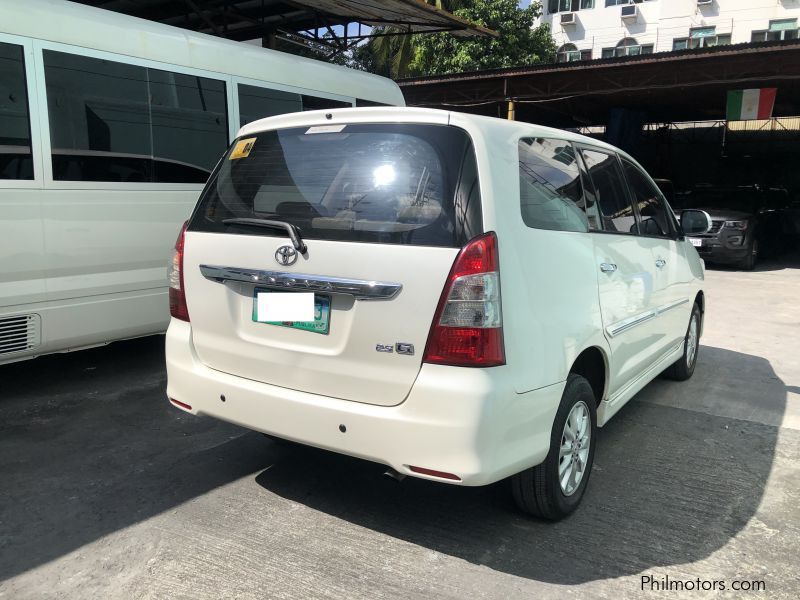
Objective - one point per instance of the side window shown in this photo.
(467, 205)
(362, 102)
(315, 103)
(190, 125)
(648, 199)
(111, 121)
(550, 188)
(609, 187)
(16, 157)
(257, 102)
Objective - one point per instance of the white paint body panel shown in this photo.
(88, 257)
(480, 424)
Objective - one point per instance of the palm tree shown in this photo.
(394, 53)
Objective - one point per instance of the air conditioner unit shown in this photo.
(569, 18)
(629, 12)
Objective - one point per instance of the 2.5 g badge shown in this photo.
(399, 348)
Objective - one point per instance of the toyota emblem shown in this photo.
(286, 255)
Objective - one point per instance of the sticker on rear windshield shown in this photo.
(242, 148)
(325, 129)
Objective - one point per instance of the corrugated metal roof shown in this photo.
(417, 15)
(597, 64)
(250, 19)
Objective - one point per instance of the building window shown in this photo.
(628, 47)
(16, 158)
(570, 53)
(112, 121)
(557, 6)
(779, 29)
(621, 2)
(701, 37)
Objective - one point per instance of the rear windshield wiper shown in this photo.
(292, 230)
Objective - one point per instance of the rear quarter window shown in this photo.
(387, 183)
(550, 188)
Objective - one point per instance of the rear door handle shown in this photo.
(608, 267)
(660, 263)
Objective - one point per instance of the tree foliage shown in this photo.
(519, 43)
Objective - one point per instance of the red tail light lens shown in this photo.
(467, 330)
(177, 294)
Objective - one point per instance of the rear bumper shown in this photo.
(468, 422)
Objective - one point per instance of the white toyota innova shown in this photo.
(460, 298)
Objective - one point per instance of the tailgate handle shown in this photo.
(360, 289)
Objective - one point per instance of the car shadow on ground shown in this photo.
(90, 446)
(670, 486)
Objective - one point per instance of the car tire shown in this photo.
(540, 491)
(749, 263)
(683, 368)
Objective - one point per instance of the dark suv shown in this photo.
(746, 223)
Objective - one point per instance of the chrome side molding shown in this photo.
(360, 289)
(631, 322)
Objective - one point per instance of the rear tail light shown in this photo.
(467, 329)
(177, 293)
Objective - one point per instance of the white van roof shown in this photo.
(88, 27)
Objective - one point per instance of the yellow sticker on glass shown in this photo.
(242, 148)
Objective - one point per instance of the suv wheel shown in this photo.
(750, 261)
(683, 368)
(553, 489)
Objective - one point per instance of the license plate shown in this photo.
(697, 242)
(322, 314)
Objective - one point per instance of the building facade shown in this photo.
(590, 29)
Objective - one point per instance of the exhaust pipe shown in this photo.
(394, 475)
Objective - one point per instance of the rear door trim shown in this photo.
(360, 289)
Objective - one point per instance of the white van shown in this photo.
(109, 127)
(485, 294)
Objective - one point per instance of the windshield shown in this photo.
(397, 184)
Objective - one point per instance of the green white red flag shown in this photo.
(751, 105)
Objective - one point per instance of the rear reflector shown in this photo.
(431, 472)
(177, 292)
(180, 404)
(467, 329)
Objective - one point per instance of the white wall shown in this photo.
(661, 21)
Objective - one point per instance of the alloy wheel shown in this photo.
(692, 339)
(574, 452)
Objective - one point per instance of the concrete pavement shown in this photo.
(109, 492)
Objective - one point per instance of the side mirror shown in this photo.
(695, 222)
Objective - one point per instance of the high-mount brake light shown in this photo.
(467, 329)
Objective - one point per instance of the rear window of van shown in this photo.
(378, 183)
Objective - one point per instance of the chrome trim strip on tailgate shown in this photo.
(361, 289)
